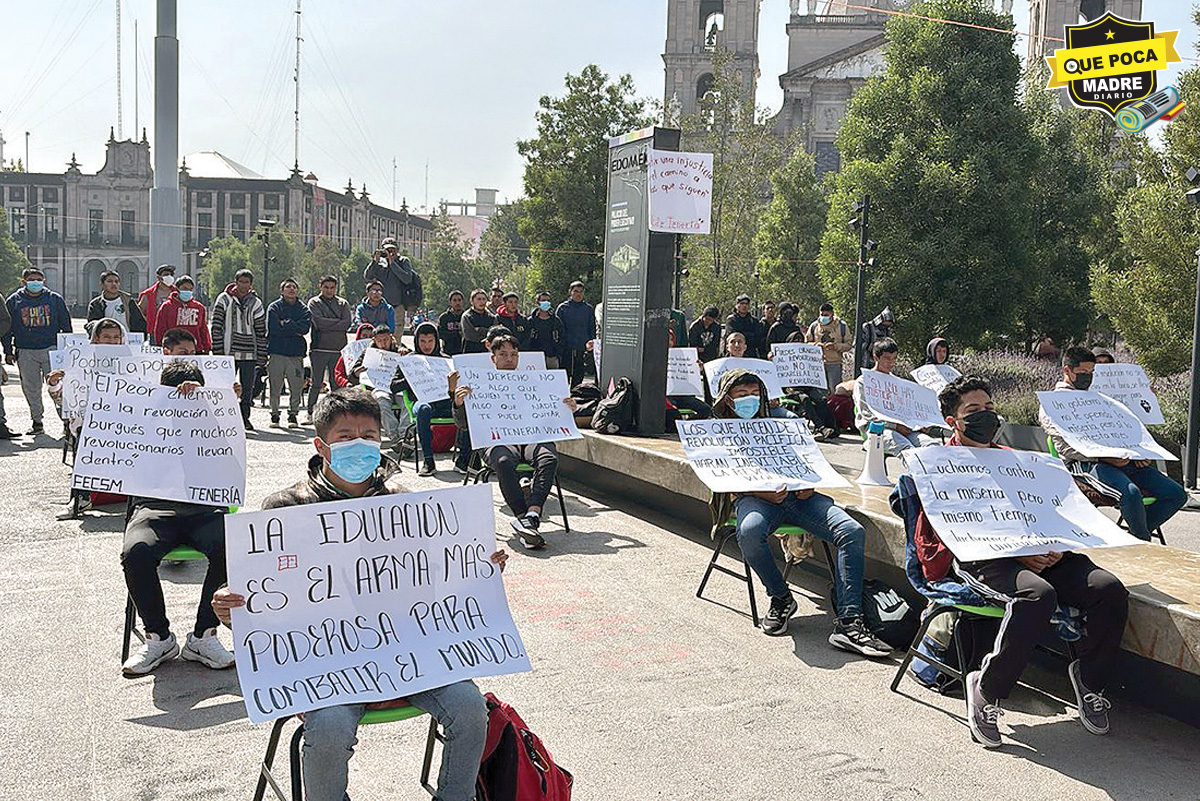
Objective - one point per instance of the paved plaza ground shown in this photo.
(639, 688)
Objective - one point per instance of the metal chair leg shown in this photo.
(130, 623)
(264, 773)
(562, 505)
(912, 648)
(294, 750)
(427, 764)
(750, 590)
(712, 563)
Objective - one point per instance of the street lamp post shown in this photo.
(265, 237)
(861, 223)
(1193, 429)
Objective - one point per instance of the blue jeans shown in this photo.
(781, 413)
(425, 412)
(329, 740)
(819, 516)
(1135, 483)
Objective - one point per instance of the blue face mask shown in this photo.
(35, 286)
(544, 305)
(185, 295)
(825, 319)
(746, 407)
(355, 460)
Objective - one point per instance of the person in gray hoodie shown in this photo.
(331, 317)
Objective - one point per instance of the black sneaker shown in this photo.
(427, 468)
(982, 715)
(35, 429)
(775, 622)
(7, 433)
(852, 635)
(1093, 707)
(293, 422)
(528, 533)
(274, 421)
(248, 424)
(462, 469)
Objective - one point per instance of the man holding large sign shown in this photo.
(907, 410)
(780, 455)
(503, 416)
(1097, 435)
(1009, 525)
(357, 590)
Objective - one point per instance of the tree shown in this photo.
(789, 234)
(324, 259)
(286, 253)
(12, 258)
(502, 246)
(353, 286)
(450, 265)
(938, 142)
(226, 255)
(566, 173)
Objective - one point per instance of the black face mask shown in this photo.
(981, 426)
(1082, 380)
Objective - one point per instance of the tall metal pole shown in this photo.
(296, 132)
(678, 273)
(1193, 429)
(861, 294)
(166, 219)
(266, 239)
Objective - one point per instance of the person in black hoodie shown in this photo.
(511, 318)
(743, 322)
(425, 338)
(785, 326)
(475, 323)
(546, 332)
(704, 334)
(450, 325)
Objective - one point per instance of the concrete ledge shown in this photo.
(1163, 582)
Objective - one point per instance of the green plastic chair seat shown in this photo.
(982, 611)
(390, 715)
(792, 530)
(183, 553)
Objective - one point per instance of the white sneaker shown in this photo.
(207, 650)
(70, 512)
(152, 654)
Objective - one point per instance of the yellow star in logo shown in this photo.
(1108, 34)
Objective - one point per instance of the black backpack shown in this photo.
(888, 616)
(587, 399)
(617, 412)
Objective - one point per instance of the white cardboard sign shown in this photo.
(987, 503)
(1099, 427)
(683, 373)
(900, 401)
(81, 361)
(526, 360)
(366, 600)
(381, 366)
(517, 407)
(762, 368)
(153, 441)
(426, 376)
(759, 455)
(681, 187)
(353, 350)
(935, 376)
(219, 371)
(1129, 384)
(799, 364)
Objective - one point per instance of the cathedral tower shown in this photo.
(696, 29)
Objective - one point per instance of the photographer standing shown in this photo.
(401, 283)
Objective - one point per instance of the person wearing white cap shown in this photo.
(401, 283)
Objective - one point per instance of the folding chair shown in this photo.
(1147, 500)
(182, 553)
(478, 471)
(729, 532)
(410, 435)
(370, 717)
(970, 613)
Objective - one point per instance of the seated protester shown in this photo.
(704, 334)
(937, 351)
(374, 309)
(841, 403)
(1133, 479)
(747, 324)
(832, 335)
(897, 438)
(347, 465)
(699, 410)
(743, 394)
(154, 528)
(785, 326)
(475, 322)
(1031, 588)
(178, 342)
(546, 332)
(511, 318)
(426, 340)
(503, 459)
(182, 310)
(340, 378)
(450, 325)
(735, 347)
(389, 410)
(815, 403)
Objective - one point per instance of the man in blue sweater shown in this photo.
(288, 321)
(38, 316)
(579, 329)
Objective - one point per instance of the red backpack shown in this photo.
(516, 766)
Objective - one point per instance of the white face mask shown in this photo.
(167, 279)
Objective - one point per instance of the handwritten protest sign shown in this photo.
(219, 371)
(762, 368)
(683, 373)
(67, 339)
(526, 360)
(900, 401)
(81, 361)
(353, 350)
(153, 441)
(1099, 427)
(596, 354)
(799, 364)
(426, 376)
(364, 600)
(935, 376)
(986, 503)
(517, 407)
(1129, 384)
(759, 455)
(680, 186)
(381, 366)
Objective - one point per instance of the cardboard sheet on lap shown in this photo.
(1128, 384)
(762, 368)
(759, 455)
(1099, 427)
(899, 401)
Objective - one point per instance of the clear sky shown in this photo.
(451, 82)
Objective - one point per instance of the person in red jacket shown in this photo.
(182, 310)
(365, 331)
(154, 296)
